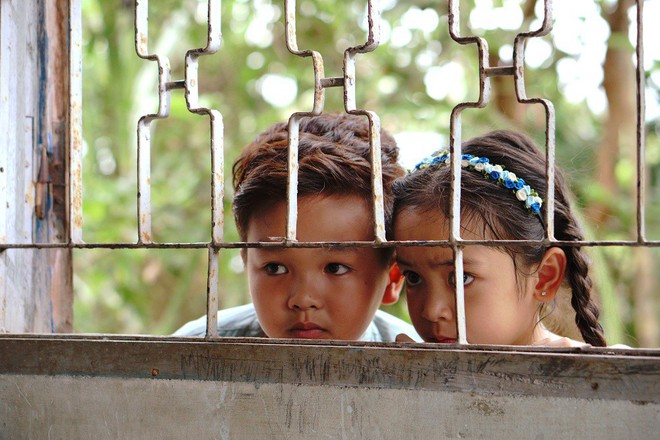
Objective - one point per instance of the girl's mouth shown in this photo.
(442, 340)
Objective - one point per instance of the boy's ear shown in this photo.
(550, 274)
(393, 288)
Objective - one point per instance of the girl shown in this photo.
(509, 289)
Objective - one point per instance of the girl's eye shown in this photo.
(412, 278)
(336, 269)
(275, 269)
(467, 279)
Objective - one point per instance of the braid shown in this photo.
(577, 274)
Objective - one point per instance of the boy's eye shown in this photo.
(275, 269)
(467, 278)
(412, 278)
(336, 269)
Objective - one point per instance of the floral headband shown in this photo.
(497, 173)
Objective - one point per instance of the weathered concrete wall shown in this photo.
(86, 407)
(172, 388)
(33, 109)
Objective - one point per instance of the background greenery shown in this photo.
(412, 81)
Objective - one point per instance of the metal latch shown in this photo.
(44, 185)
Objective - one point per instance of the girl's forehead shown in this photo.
(418, 224)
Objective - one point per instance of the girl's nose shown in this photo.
(439, 307)
(304, 295)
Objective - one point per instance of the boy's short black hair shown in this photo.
(333, 156)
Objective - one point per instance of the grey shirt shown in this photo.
(242, 321)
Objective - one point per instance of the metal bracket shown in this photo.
(44, 184)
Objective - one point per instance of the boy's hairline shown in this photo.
(388, 252)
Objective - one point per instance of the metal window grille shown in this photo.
(321, 83)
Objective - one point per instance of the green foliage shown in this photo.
(155, 291)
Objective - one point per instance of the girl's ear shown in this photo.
(393, 288)
(550, 274)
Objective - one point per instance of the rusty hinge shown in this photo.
(44, 185)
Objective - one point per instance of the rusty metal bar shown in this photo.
(333, 82)
(499, 71)
(521, 94)
(641, 133)
(165, 86)
(292, 178)
(191, 83)
(212, 298)
(454, 11)
(322, 244)
(349, 82)
(294, 120)
(74, 192)
(144, 124)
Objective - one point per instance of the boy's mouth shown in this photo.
(307, 330)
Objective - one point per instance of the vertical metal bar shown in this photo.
(144, 124)
(349, 82)
(292, 178)
(294, 119)
(455, 130)
(75, 189)
(461, 327)
(217, 177)
(641, 117)
(212, 295)
(521, 95)
(191, 82)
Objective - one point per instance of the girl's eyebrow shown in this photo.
(442, 263)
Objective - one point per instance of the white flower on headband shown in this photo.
(502, 177)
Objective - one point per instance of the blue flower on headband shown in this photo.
(502, 177)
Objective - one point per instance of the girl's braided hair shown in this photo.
(505, 218)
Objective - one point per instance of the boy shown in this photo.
(314, 293)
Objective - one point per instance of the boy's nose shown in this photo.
(438, 307)
(303, 296)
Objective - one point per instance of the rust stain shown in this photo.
(77, 198)
(143, 45)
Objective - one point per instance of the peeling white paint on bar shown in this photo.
(75, 192)
(212, 298)
(214, 39)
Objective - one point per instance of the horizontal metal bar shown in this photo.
(336, 81)
(499, 71)
(326, 244)
(172, 85)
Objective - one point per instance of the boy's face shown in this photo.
(316, 293)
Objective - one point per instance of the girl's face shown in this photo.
(499, 309)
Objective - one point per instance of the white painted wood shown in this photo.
(29, 80)
(97, 407)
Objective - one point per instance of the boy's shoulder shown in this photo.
(240, 321)
(385, 328)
